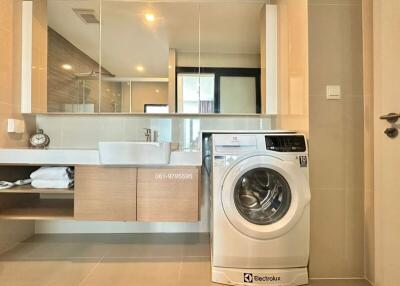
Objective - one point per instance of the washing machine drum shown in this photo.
(264, 196)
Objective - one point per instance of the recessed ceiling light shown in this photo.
(149, 17)
(66, 67)
(157, 91)
(140, 68)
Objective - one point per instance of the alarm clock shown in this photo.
(39, 140)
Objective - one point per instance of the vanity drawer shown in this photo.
(105, 193)
(168, 194)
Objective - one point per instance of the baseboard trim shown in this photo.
(339, 278)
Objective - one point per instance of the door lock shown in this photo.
(392, 132)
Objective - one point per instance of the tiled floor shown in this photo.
(115, 260)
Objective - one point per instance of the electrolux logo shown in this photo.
(248, 278)
(303, 161)
(251, 278)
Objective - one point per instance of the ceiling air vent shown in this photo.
(88, 16)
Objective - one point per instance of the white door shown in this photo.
(386, 150)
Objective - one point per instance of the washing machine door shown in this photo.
(263, 196)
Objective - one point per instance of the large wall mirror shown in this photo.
(118, 56)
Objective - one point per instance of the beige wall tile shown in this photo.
(336, 139)
(354, 232)
(327, 250)
(327, 153)
(353, 142)
(335, 47)
(336, 233)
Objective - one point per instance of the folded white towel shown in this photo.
(53, 173)
(53, 184)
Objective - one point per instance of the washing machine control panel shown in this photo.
(286, 143)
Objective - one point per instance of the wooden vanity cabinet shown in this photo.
(105, 194)
(168, 194)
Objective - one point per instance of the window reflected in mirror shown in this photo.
(195, 93)
(218, 90)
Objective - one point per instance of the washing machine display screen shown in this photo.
(291, 143)
(262, 196)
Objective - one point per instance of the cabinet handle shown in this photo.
(391, 117)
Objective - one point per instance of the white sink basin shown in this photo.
(134, 153)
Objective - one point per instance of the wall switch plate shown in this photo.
(15, 126)
(333, 92)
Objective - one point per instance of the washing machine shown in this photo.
(260, 208)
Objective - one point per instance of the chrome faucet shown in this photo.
(147, 134)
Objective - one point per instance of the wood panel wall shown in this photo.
(39, 58)
(293, 94)
(11, 232)
(64, 87)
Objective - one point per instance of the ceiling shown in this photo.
(128, 40)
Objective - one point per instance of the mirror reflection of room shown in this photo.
(73, 57)
(228, 78)
(154, 57)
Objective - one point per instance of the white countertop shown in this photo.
(80, 157)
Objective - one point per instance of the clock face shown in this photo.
(38, 140)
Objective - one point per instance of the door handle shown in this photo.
(391, 132)
(391, 117)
